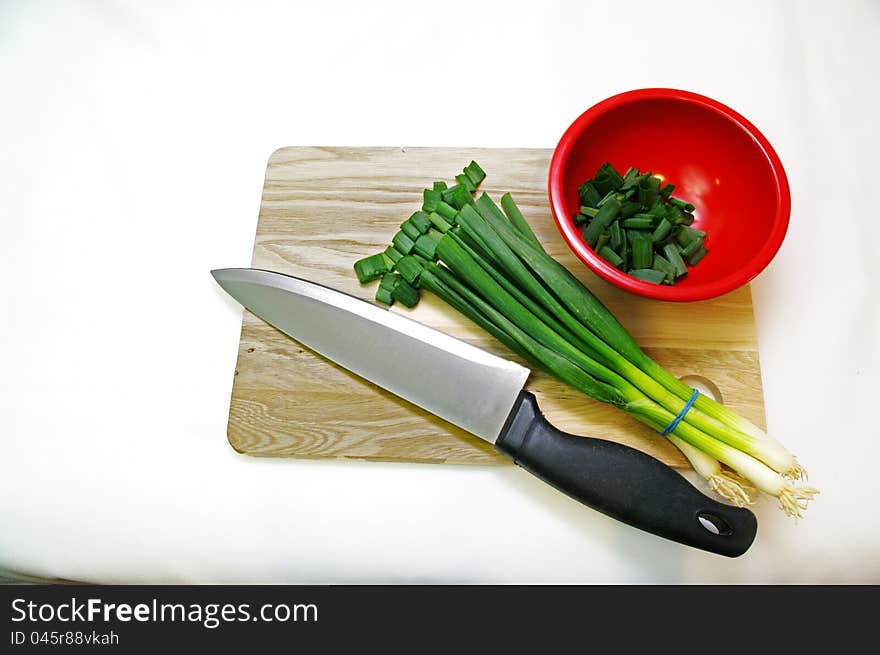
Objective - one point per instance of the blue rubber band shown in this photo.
(684, 410)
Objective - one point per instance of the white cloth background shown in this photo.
(133, 142)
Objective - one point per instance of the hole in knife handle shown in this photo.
(714, 524)
(704, 385)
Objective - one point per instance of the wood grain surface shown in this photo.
(323, 208)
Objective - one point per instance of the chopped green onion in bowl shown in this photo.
(635, 224)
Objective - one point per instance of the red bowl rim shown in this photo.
(617, 277)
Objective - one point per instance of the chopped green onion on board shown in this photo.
(369, 268)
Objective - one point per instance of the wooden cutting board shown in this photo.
(324, 208)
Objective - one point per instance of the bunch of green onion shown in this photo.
(486, 262)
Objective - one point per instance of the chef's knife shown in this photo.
(484, 395)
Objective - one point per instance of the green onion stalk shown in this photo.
(647, 374)
(442, 283)
(489, 265)
(496, 305)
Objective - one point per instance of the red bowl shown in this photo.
(717, 160)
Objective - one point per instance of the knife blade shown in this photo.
(386, 348)
(484, 394)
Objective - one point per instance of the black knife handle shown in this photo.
(623, 483)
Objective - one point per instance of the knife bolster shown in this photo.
(523, 417)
